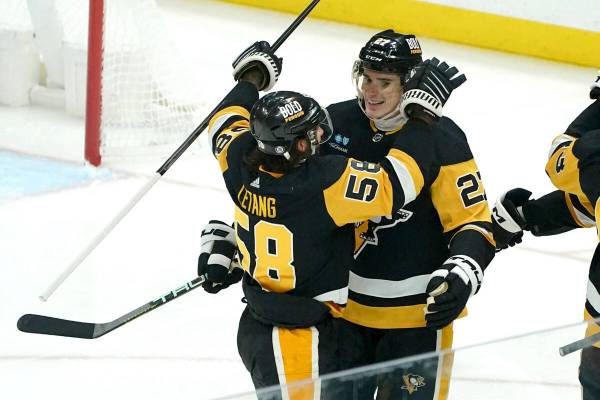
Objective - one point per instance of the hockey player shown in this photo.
(294, 214)
(574, 168)
(443, 235)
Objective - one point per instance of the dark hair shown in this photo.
(254, 158)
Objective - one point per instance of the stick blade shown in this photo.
(34, 323)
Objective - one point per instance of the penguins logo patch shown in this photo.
(412, 382)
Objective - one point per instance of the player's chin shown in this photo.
(374, 111)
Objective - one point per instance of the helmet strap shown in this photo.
(312, 141)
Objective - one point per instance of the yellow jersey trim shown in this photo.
(489, 236)
(412, 166)
(592, 327)
(400, 317)
(459, 196)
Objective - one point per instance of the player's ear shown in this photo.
(302, 145)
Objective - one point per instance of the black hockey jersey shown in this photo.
(574, 168)
(571, 152)
(395, 254)
(294, 230)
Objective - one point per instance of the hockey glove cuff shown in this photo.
(449, 289)
(507, 218)
(259, 65)
(595, 88)
(429, 86)
(217, 257)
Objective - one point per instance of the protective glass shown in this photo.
(361, 82)
(324, 122)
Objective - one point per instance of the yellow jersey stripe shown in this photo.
(297, 359)
(592, 327)
(597, 216)
(359, 194)
(489, 236)
(458, 195)
(445, 339)
(408, 172)
(387, 317)
(221, 150)
(563, 169)
(579, 217)
(217, 121)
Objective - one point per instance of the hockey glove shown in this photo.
(258, 65)
(428, 86)
(217, 257)
(507, 220)
(449, 288)
(595, 88)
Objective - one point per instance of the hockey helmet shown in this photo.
(389, 51)
(386, 52)
(278, 118)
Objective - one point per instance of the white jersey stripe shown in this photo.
(279, 363)
(558, 141)
(217, 125)
(593, 296)
(405, 178)
(388, 289)
(315, 363)
(583, 219)
(338, 296)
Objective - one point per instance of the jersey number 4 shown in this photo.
(560, 163)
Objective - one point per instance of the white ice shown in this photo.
(511, 107)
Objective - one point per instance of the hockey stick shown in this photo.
(579, 344)
(159, 172)
(34, 323)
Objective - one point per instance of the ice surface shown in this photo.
(510, 108)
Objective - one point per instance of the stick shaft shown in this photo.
(579, 344)
(98, 238)
(41, 324)
(294, 25)
(187, 287)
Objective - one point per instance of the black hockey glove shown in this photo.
(449, 288)
(507, 221)
(595, 88)
(258, 65)
(427, 88)
(217, 257)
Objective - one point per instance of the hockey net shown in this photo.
(141, 99)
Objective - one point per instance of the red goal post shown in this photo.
(114, 63)
(94, 83)
(142, 97)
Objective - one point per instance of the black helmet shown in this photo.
(278, 118)
(389, 51)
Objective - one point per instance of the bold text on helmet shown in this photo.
(291, 111)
